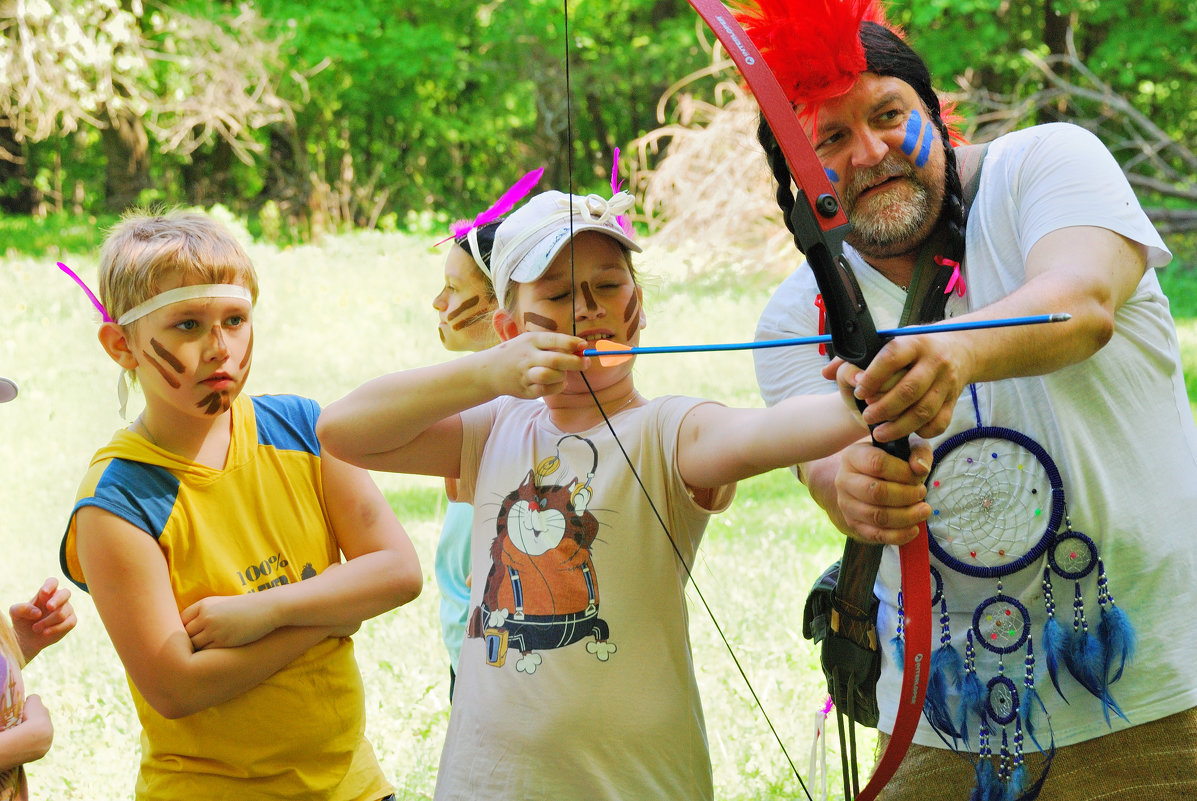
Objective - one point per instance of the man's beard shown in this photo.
(891, 223)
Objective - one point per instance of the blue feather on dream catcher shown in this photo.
(998, 503)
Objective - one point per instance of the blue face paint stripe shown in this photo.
(925, 152)
(832, 175)
(914, 126)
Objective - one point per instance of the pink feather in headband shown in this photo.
(503, 205)
(617, 185)
(95, 301)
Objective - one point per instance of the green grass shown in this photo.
(331, 317)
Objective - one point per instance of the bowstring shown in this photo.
(569, 167)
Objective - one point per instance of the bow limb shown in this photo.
(820, 225)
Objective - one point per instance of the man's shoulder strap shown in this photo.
(968, 163)
(926, 298)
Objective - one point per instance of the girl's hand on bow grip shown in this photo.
(911, 387)
(881, 497)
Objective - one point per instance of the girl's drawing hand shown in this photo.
(534, 364)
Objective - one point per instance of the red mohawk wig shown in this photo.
(812, 46)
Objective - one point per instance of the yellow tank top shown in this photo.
(300, 733)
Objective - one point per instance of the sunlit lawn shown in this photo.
(329, 318)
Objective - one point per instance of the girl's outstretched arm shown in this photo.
(407, 422)
(382, 572)
(129, 582)
(718, 445)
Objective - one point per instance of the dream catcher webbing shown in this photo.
(997, 503)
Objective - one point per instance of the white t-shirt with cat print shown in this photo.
(576, 678)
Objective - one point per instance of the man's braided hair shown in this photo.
(888, 55)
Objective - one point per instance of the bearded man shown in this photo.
(1066, 455)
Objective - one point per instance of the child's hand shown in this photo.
(226, 621)
(844, 374)
(534, 364)
(44, 620)
(847, 376)
(881, 497)
(912, 385)
(37, 733)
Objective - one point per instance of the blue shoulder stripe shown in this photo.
(287, 422)
(142, 494)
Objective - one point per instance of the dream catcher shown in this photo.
(998, 508)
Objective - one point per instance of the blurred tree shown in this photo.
(146, 76)
(1144, 51)
(366, 112)
(441, 106)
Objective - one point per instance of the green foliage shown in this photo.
(53, 236)
(1180, 285)
(409, 115)
(447, 104)
(1143, 50)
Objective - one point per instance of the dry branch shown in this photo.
(1157, 165)
(702, 178)
(67, 63)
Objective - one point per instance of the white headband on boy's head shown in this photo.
(176, 295)
(531, 237)
(182, 293)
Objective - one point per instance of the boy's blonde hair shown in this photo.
(145, 247)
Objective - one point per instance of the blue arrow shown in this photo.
(619, 351)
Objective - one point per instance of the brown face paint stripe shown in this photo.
(249, 352)
(535, 319)
(167, 377)
(631, 330)
(466, 323)
(466, 305)
(166, 355)
(215, 401)
(590, 304)
(633, 307)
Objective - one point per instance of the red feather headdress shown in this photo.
(812, 46)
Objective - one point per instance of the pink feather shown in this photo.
(501, 206)
(95, 301)
(617, 185)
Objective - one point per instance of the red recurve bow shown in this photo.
(820, 226)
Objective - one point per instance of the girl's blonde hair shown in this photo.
(9, 644)
(145, 248)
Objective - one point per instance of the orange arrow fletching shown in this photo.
(611, 353)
